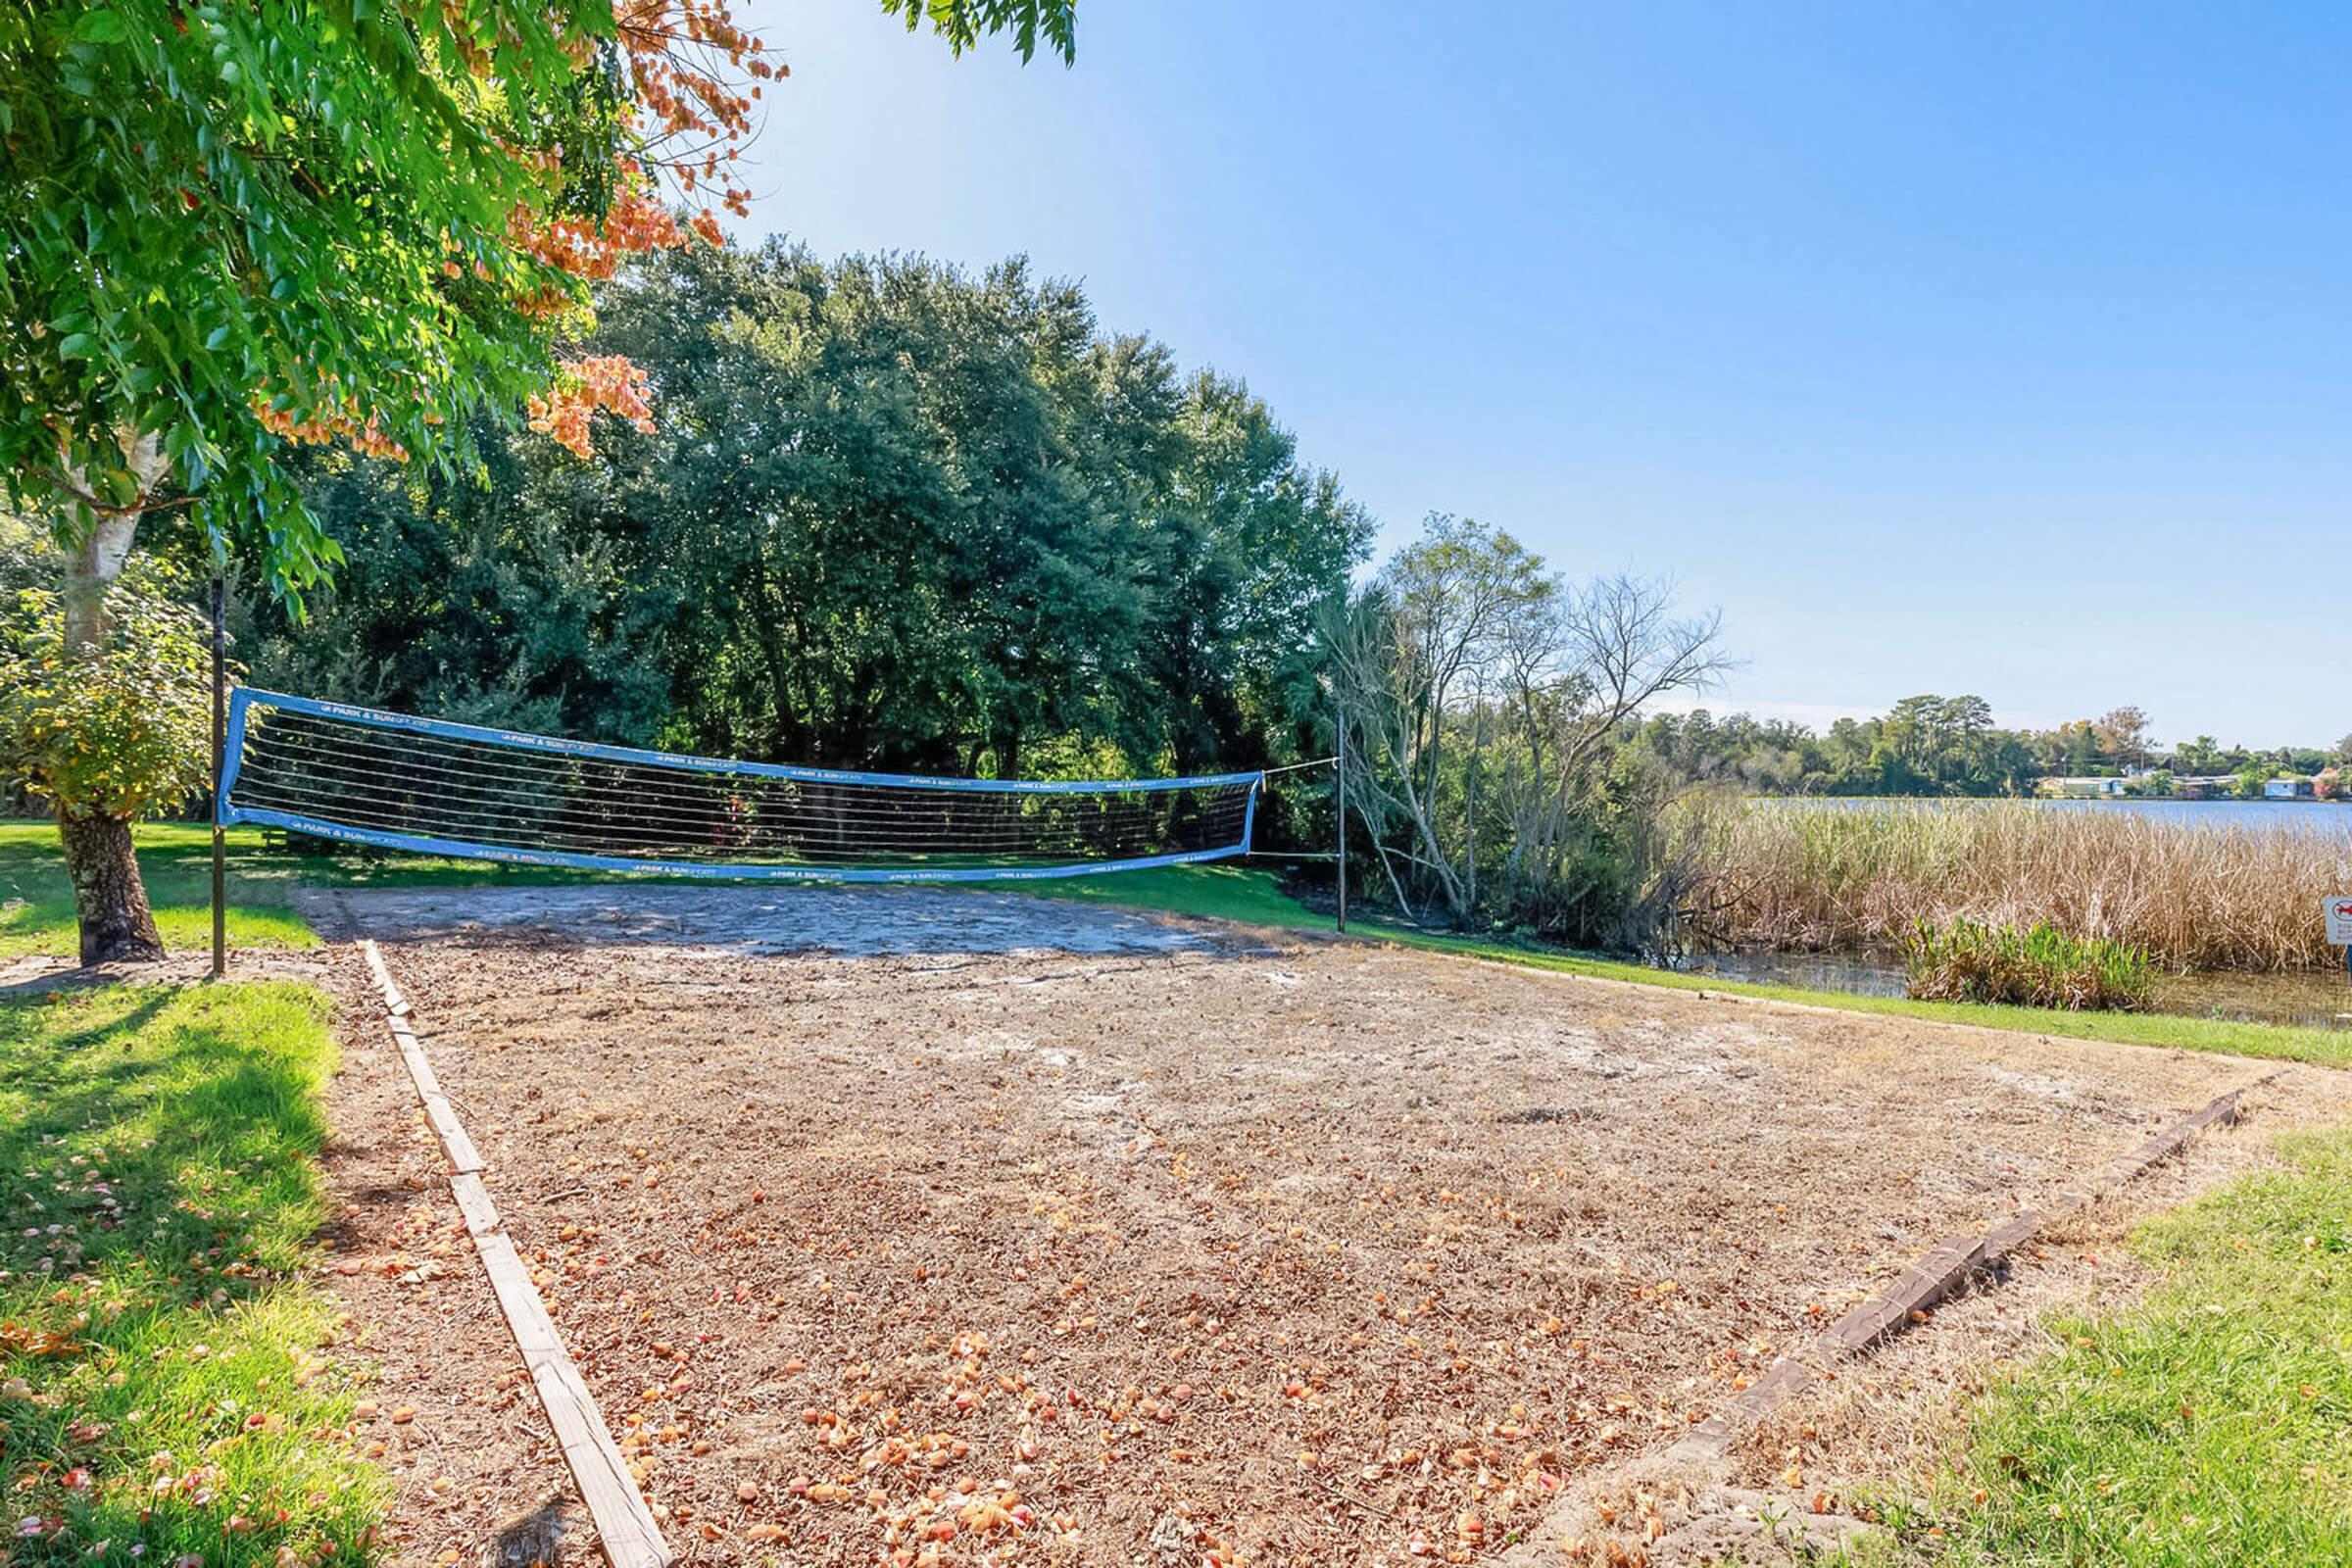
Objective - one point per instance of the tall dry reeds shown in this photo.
(1818, 878)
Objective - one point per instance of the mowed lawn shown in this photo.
(36, 900)
(2212, 1424)
(168, 1388)
(175, 861)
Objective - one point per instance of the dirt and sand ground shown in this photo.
(892, 1220)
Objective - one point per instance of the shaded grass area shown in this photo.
(2211, 1423)
(1216, 892)
(36, 900)
(162, 1387)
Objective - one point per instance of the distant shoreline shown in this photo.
(2047, 799)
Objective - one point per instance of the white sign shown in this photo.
(2339, 920)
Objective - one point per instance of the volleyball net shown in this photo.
(360, 775)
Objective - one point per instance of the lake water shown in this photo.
(2296, 816)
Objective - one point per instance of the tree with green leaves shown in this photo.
(107, 737)
(230, 228)
(895, 515)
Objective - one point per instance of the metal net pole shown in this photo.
(219, 739)
(1339, 792)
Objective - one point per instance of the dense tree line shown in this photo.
(232, 231)
(891, 515)
(1931, 745)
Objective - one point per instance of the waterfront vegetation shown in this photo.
(2192, 896)
(2038, 966)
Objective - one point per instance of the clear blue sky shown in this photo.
(2003, 349)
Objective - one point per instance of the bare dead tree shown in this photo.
(1402, 656)
(1486, 695)
(1616, 647)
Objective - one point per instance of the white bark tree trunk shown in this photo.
(109, 902)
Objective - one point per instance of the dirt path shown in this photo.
(1041, 1232)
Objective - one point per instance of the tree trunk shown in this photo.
(91, 566)
(109, 900)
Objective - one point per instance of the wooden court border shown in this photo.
(623, 1521)
(1701, 1459)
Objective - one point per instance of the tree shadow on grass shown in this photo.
(158, 1387)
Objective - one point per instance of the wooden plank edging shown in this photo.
(623, 1521)
(1701, 1458)
(1938, 1274)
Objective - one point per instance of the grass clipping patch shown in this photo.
(2040, 966)
(2211, 1425)
(163, 1395)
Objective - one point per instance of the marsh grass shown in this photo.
(2040, 966)
(1807, 878)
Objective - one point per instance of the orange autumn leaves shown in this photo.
(603, 381)
(687, 62)
(363, 432)
(18, 1339)
(693, 76)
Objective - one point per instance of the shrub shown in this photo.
(110, 723)
(122, 731)
(2038, 966)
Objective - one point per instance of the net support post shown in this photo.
(220, 751)
(1339, 793)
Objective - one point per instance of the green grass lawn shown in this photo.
(162, 1387)
(2212, 1424)
(175, 860)
(37, 901)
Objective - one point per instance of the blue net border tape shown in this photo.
(717, 871)
(246, 697)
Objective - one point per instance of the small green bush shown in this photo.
(121, 729)
(2040, 966)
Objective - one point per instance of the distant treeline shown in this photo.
(1933, 745)
(891, 515)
